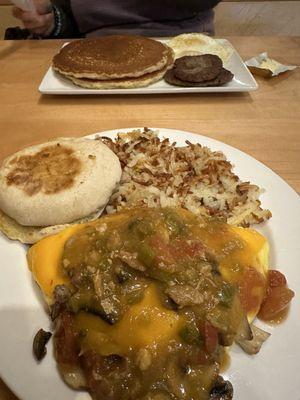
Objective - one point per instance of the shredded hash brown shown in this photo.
(156, 173)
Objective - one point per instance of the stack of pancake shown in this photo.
(116, 61)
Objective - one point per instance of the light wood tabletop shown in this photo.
(264, 123)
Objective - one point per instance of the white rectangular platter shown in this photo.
(243, 81)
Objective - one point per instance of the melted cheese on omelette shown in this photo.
(148, 323)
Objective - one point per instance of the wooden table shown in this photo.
(264, 124)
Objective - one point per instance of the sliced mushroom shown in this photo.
(244, 332)
(221, 390)
(110, 318)
(122, 275)
(61, 293)
(253, 346)
(104, 308)
(184, 295)
(56, 309)
(213, 261)
(39, 344)
(73, 376)
(131, 260)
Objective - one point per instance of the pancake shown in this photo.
(58, 182)
(129, 83)
(225, 76)
(111, 57)
(125, 83)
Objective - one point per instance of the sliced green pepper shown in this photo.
(191, 335)
(226, 294)
(146, 254)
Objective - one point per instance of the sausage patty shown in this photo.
(198, 68)
(225, 76)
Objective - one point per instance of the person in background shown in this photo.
(92, 18)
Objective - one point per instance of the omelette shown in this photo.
(145, 301)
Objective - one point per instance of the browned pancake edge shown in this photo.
(111, 57)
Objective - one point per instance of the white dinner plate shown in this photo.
(243, 81)
(273, 374)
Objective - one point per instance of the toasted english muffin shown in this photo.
(32, 234)
(45, 187)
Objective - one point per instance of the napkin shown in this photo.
(25, 5)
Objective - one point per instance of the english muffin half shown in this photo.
(46, 187)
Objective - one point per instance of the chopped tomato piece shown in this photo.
(278, 298)
(162, 249)
(66, 347)
(252, 289)
(276, 278)
(170, 253)
(202, 358)
(183, 249)
(210, 337)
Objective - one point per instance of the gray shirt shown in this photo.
(151, 18)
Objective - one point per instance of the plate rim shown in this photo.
(198, 138)
(43, 88)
